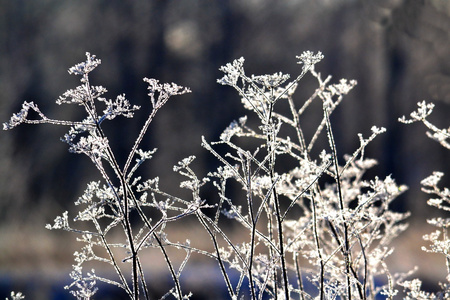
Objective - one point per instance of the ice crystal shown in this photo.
(309, 59)
(86, 67)
(232, 72)
(271, 81)
(16, 296)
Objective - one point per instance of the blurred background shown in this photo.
(397, 50)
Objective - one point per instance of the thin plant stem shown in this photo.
(219, 259)
(253, 228)
(318, 249)
(340, 197)
(299, 276)
(170, 266)
(269, 143)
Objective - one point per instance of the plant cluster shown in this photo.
(316, 228)
(439, 239)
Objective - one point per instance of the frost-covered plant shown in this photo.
(109, 205)
(318, 221)
(310, 216)
(439, 239)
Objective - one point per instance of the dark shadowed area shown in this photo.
(397, 50)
